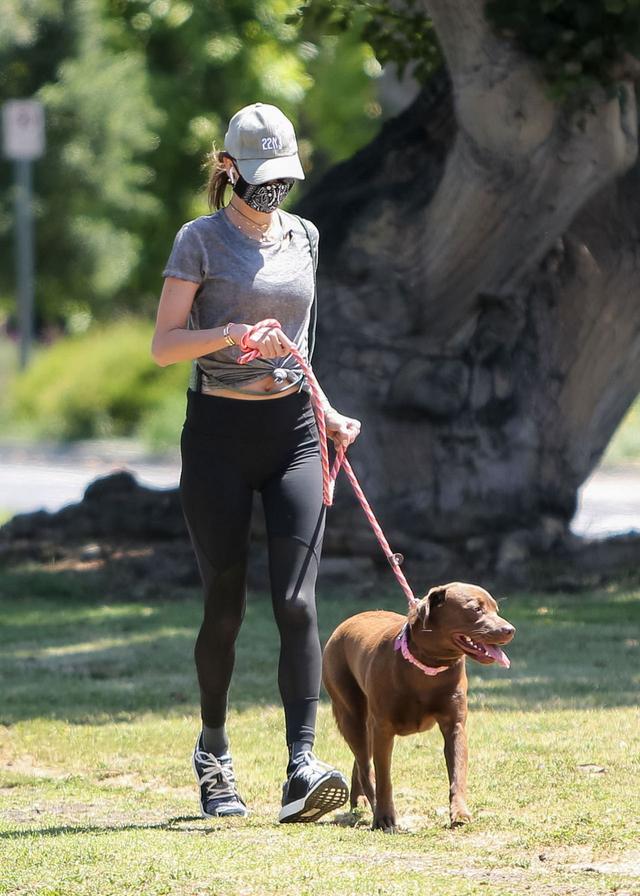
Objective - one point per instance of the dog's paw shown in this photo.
(385, 823)
(459, 814)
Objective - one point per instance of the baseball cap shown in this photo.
(263, 143)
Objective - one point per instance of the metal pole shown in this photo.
(24, 256)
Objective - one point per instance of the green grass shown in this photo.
(99, 711)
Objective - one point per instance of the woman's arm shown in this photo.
(172, 341)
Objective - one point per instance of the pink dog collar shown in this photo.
(402, 645)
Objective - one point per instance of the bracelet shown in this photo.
(228, 338)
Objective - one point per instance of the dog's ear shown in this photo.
(434, 598)
(437, 596)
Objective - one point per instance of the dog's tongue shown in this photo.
(498, 655)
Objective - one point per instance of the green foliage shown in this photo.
(99, 384)
(578, 44)
(159, 426)
(625, 445)
(404, 36)
(339, 127)
(92, 185)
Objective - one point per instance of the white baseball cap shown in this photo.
(261, 140)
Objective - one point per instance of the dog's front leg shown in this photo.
(384, 813)
(456, 754)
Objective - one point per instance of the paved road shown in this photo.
(609, 502)
(32, 478)
(48, 477)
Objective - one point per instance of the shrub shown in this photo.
(625, 445)
(160, 427)
(100, 384)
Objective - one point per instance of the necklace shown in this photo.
(261, 228)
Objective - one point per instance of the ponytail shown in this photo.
(218, 179)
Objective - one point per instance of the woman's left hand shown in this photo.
(343, 430)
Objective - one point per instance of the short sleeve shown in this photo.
(187, 259)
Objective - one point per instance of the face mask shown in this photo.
(262, 197)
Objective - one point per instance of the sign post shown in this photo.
(23, 141)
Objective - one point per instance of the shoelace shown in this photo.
(219, 781)
(308, 766)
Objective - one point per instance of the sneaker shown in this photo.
(311, 790)
(218, 792)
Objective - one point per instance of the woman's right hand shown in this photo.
(270, 342)
(237, 331)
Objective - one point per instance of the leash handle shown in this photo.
(329, 475)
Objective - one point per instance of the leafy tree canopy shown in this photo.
(93, 184)
(579, 44)
(399, 34)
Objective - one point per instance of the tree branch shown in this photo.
(520, 168)
(592, 350)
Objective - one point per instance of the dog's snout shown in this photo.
(506, 631)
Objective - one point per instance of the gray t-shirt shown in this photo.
(245, 281)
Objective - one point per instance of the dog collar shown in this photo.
(402, 645)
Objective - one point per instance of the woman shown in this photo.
(252, 428)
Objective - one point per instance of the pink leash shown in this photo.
(329, 479)
(329, 476)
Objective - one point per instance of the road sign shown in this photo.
(23, 129)
(23, 141)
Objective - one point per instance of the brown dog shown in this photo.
(377, 693)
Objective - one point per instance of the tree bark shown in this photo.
(478, 306)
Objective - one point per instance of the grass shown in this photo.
(100, 713)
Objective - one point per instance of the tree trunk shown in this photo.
(478, 310)
(478, 305)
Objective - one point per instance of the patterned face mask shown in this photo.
(263, 197)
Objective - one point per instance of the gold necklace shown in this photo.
(262, 228)
(255, 223)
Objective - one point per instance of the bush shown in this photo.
(101, 384)
(160, 427)
(625, 445)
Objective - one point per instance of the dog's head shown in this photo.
(461, 619)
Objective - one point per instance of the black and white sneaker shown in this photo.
(311, 790)
(218, 793)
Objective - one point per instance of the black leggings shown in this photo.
(231, 448)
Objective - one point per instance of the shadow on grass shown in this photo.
(171, 824)
(66, 653)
